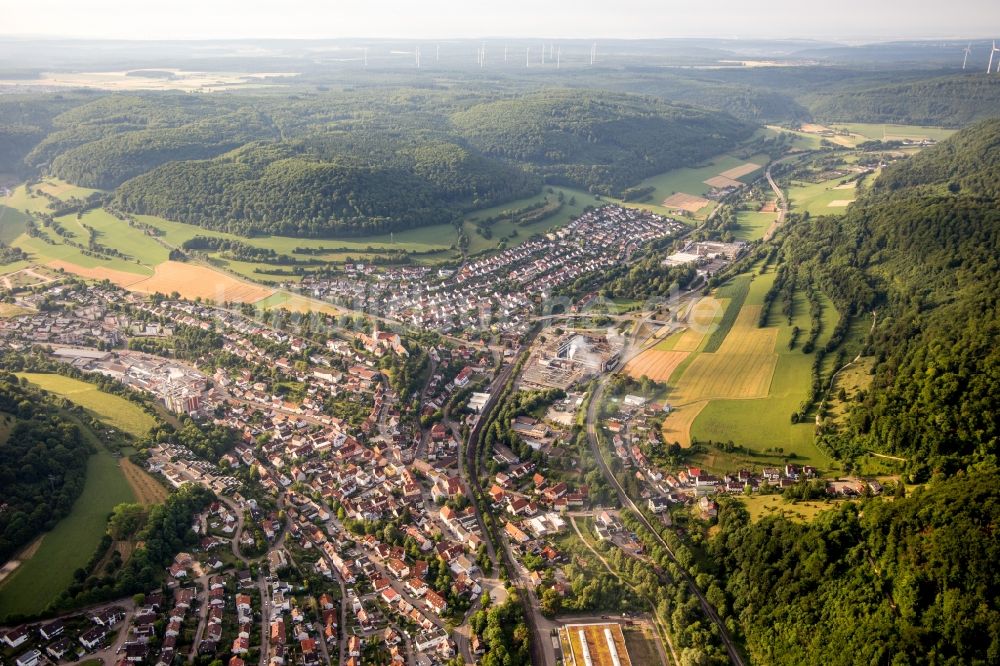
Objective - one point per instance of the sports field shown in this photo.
(71, 543)
(111, 409)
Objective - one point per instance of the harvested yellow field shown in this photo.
(742, 368)
(677, 426)
(120, 278)
(840, 203)
(192, 281)
(740, 171)
(688, 202)
(721, 182)
(656, 364)
(689, 341)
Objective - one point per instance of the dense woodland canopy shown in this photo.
(907, 581)
(43, 466)
(601, 142)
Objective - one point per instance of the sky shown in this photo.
(857, 20)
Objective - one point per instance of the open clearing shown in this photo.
(71, 543)
(193, 281)
(840, 203)
(107, 408)
(761, 506)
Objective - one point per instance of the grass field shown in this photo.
(753, 225)
(63, 190)
(761, 506)
(504, 228)
(72, 542)
(294, 303)
(877, 131)
(764, 423)
(815, 198)
(734, 292)
(110, 409)
(691, 180)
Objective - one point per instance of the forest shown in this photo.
(920, 251)
(356, 162)
(911, 580)
(43, 468)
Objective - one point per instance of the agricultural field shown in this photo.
(63, 190)
(879, 132)
(747, 390)
(70, 544)
(147, 490)
(196, 281)
(691, 181)
(830, 197)
(110, 409)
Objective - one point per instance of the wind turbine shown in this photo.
(437, 52)
(558, 56)
(593, 53)
(989, 67)
(505, 54)
(527, 57)
(366, 56)
(967, 51)
(417, 56)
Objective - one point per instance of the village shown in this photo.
(498, 293)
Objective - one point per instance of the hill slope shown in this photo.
(603, 142)
(921, 249)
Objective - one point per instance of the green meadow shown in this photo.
(765, 423)
(105, 407)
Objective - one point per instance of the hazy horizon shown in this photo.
(852, 21)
